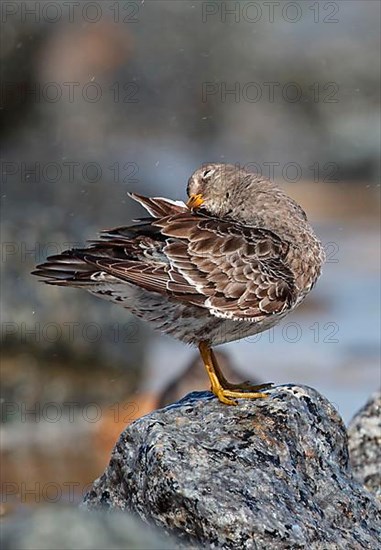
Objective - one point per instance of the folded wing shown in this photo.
(234, 271)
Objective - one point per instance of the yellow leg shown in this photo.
(241, 385)
(220, 386)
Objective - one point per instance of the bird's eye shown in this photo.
(207, 173)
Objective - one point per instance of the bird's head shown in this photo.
(214, 186)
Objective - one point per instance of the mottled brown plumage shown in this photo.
(231, 263)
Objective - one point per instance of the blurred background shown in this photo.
(102, 98)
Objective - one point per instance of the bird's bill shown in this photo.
(195, 201)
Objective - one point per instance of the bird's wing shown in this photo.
(240, 272)
(234, 271)
(138, 245)
(159, 206)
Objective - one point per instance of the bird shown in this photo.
(231, 262)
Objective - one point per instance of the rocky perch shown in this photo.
(365, 444)
(267, 474)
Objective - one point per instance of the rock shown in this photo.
(270, 473)
(364, 434)
(69, 528)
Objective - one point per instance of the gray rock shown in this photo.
(271, 473)
(364, 434)
(72, 529)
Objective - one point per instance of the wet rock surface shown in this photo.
(271, 473)
(364, 434)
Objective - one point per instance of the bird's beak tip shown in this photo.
(195, 201)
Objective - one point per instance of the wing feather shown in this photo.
(241, 271)
(234, 271)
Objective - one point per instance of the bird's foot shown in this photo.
(228, 396)
(226, 392)
(248, 386)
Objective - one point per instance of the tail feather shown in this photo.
(79, 266)
(66, 269)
